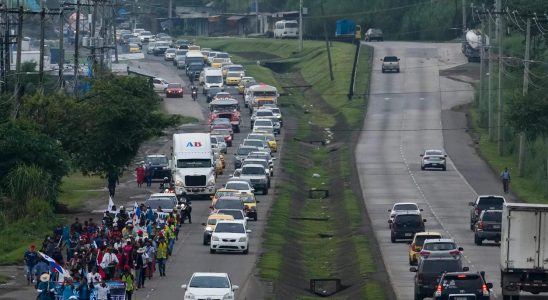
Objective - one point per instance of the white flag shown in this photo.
(110, 204)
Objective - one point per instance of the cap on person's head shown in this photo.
(126, 268)
(32, 246)
(140, 232)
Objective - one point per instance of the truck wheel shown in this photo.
(265, 192)
(477, 240)
(255, 217)
(392, 238)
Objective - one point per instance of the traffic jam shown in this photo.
(240, 142)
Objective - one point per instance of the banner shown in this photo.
(117, 290)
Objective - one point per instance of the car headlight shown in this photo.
(189, 296)
(242, 239)
(178, 182)
(228, 296)
(215, 238)
(208, 228)
(211, 181)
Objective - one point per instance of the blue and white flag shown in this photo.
(55, 265)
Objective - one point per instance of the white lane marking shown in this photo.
(386, 99)
(421, 98)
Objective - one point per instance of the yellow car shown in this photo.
(269, 138)
(217, 63)
(250, 205)
(194, 48)
(211, 223)
(243, 82)
(205, 52)
(222, 193)
(134, 48)
(416, 245)
(233, 78)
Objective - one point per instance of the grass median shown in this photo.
(304, 166)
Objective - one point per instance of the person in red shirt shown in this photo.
(140, 172)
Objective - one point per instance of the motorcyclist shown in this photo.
(164, 185)
(186, 212)
(194, 90)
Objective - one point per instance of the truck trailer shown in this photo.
(471, 45)
(524, 249)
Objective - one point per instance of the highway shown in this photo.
(189, 254)
(403, 119)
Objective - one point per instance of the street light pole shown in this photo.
(301, 25)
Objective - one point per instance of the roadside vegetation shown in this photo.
(54, 134)
(520, 114)
(313, 238)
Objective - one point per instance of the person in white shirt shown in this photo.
(103, 290)
(93, 277)
(109, 263)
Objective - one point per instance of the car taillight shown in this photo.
(485, 290)
(424, 253)
(438, 290)
(455, 252)
(480, 225)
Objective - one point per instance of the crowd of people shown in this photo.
(124, 247)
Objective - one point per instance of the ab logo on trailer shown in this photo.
(193, 144)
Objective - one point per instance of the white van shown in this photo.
(193, 165)
(212, 78)
(286, 29)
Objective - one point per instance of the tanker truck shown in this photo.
(471, 45)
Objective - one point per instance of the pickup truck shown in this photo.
(255, 174)
(390, 64)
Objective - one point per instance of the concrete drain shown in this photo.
(318, 193)
(326, 287)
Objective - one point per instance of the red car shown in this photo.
(174, 90)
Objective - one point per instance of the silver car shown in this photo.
(219, 140)
(440, 248)
(433, 159)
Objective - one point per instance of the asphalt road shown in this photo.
(189, 254)
(403, 119)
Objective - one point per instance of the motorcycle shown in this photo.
(194, 94)
(186, 209)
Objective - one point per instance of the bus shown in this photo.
(286, 29)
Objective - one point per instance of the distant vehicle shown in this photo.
(463, 285)
(429, 270)
(169, 54)
(440, 248)
(373, 34)
(433, 159)
(167, 201)
(211, 223)
(286, 29)
(174, 90)
(472, 44)
(405, 225)
(348, 30)
(137, 32)
(146, 36)
(484, 202)
(416, 245)
(524, 249)
(230, 236)
(390, 64)
(209, 286)
(159, 164)
(134, 48)
(160, 48)
(160, 85)
(488, 226)
(403, 207)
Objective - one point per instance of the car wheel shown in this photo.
(392, 238)
(211, 251)
(383, 70)
(246, 251)
(418, 297)
(444, 168)
(477, 240)
(265, 192)
(398, 70)
(423, 168)
(255, 217)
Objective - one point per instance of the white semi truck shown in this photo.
(471, 46)
(524, 249)
(193, 165)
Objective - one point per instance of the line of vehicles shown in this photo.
(199, 158)
(520, 230)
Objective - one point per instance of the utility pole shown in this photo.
(500, 22)
(521, 154)
(170, 9)
(61, 48)
(327, 44)
(92, 37)
(257, 14)
(17, 91)
(76, 44)
(114, 33)
(482, 62)
(42, 37)
(463, 16)
(490, 79)
(300, 25)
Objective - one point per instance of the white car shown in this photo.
(240, 185)
(433, 159)
(170, 54)
(403, 207)
(160, 85)
(440, 248)
(209, 286)
(237, 214)
(146, 36)
(229, 236)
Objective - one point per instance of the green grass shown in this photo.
(77, 188)
(523, 187)
(4, 278)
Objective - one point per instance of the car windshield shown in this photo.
(492, 216)
(275, 110)
(237, 214)
(419, 240)
(170, 50)
(291, 25)
(222, 132)
(230, 227)
(256, 143)
(264, 163)
(266, 113)
(390, 58)
(209, 282)
(256, 137)
(195, 67)
(180, 52)
(221, 121)
(162, 44)
(410, 220)
(228, 204)
(491, 202)
(445, 246)
(405, 207)
(224, 193)
(222, 55)
(259, 155)
(174, 86)
(156, 160)
(160, 202)
(264, 93)
(236, 69)
(146, 33)
(233, 74)
(194, 163)
(263, 123)
(214, 79)
(133, 46)
(439, 266)
(462, 282)
(435, 152)
(245, 151)
(247, 198)
(237, 186)
(253, 170)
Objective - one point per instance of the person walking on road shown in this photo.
(505, 176)
(31, 259)
(103, 291)
(113, 180)
(148, 174)
(128, 278)
(45, 288)
(140, 172)
(161, 256)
